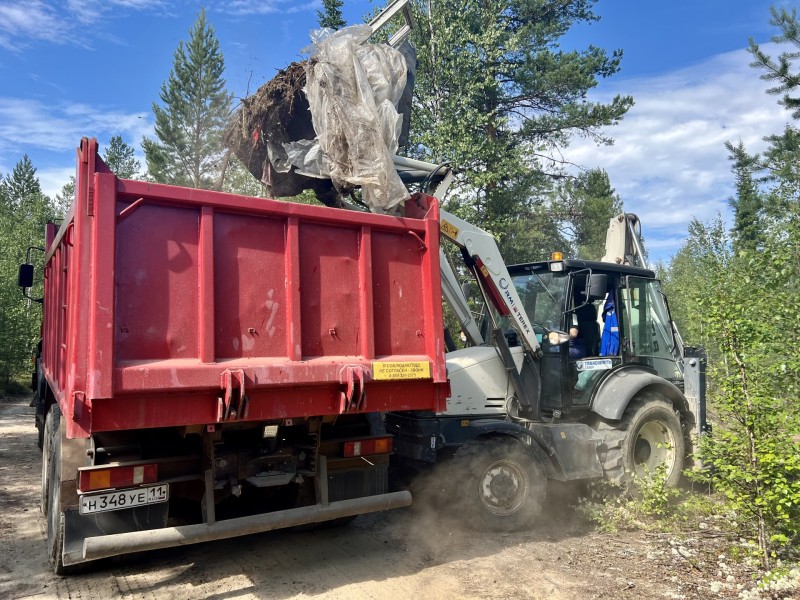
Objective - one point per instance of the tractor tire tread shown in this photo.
(615, 433)
(473, 452)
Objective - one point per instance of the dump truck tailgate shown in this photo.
(169, 306)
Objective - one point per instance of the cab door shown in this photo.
(647, 335)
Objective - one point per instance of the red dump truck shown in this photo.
(213, 365)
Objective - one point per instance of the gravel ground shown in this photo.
(401, 554)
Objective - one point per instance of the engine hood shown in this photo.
(478, 381)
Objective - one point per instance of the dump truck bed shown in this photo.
(171, 306)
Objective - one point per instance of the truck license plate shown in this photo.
(95, 503)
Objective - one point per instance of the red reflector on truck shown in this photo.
(101, 478)
(367, 447)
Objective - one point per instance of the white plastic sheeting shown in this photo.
(353, 90)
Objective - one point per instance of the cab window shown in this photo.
(647, 327)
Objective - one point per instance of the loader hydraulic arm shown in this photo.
(482, 257)
(623, 241)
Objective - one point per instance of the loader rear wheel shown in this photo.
(502, 485)
(648, 436)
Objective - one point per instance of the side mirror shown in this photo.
(598, 286)
(25, 277)
(466, 289)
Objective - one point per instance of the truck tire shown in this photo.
(40, 403)
(648, 435)
(54, 417)
(500, 484)
(40, 437)
(54, 517)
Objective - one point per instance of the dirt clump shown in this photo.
(276, 114)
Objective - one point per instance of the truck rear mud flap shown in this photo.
(139, 541)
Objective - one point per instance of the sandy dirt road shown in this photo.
(407, 553)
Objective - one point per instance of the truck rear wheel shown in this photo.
(47, 442)
(40, 403)
(51, 490)
(648, 435)
(40, 437)
(501, 483)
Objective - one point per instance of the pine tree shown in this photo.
(586, 204)
(21, 183)
(190, 123)
(780, 163)
(748, 205)
(331, 14)
(24, 210)
(119, 157)
(780, 71)
(496, 97)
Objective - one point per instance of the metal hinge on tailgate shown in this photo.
(354, 397)
(232, 403)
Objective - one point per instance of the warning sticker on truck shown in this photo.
(448, 229)
(388, 371)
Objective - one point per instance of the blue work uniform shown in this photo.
(609, 343)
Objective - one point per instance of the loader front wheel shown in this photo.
(648, 437)
(502, 484)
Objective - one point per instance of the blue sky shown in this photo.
(72, 68)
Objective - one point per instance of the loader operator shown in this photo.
(577, 347)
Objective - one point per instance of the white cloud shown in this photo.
(25, 122)
(265, 7)
(27, 125)
(53, 179)
(669, 162)
(91, 11)
(23, 20)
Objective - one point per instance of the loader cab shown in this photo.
(592, 297)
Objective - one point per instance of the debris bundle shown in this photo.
(329, 123)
